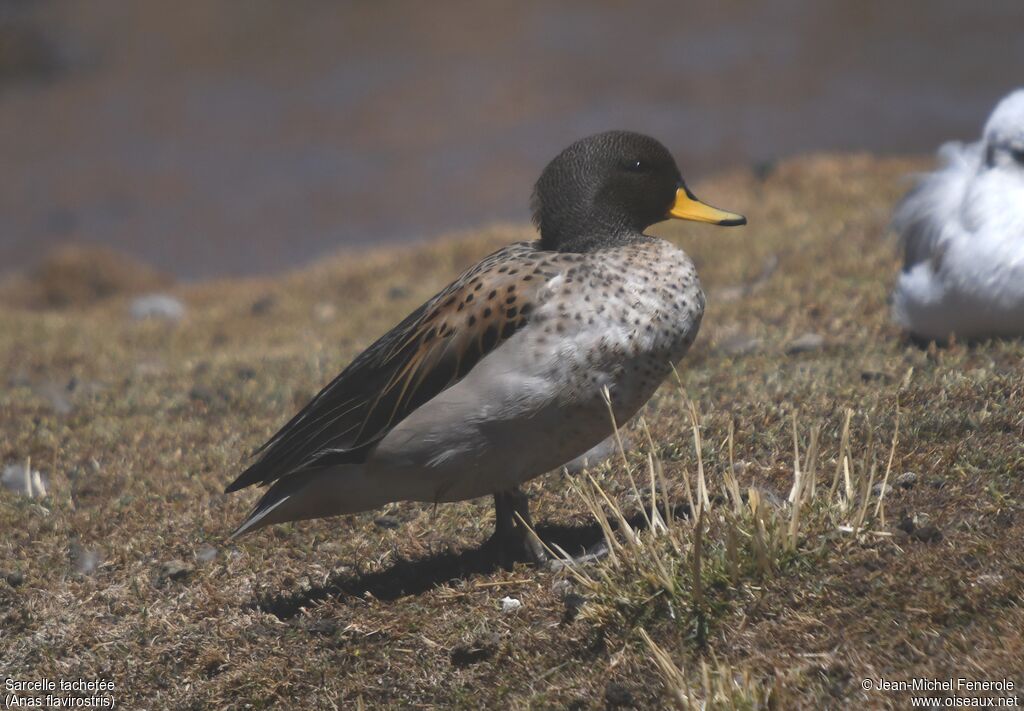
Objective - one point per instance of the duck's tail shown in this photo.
(315, 493)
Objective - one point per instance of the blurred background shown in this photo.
(226, 137)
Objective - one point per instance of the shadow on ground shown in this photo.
(413, 577)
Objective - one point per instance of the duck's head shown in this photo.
(1004, 134)
(612, 186)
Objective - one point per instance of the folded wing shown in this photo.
(432, 349)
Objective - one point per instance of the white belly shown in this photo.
(977, 291)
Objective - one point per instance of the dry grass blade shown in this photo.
(657, 522)
(841, 461)
(674, 678)
(697, 582)
(659, 470)
(760, 539)
(723, 688)
(804, 483)
(811, 464)
(627, 531)
(607, 396)
(732, 555)
(703, 501)
(732, 486)
(879, 512)
(797, 471)
(597, 511)
(865, 498)
(560, 555)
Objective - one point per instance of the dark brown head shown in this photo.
(612, 186)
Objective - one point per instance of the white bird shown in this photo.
(962, 233)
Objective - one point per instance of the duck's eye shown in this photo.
(635, 166)
(1018, 154)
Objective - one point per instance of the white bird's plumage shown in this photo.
(962, 233)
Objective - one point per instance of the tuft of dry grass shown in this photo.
(689, 568)
(770, 534)
(76, 275)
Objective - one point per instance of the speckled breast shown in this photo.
(618, 319)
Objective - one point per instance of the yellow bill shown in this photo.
(688, 207)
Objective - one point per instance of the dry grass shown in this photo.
(727, 592)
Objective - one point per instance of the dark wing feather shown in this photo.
(429, 351)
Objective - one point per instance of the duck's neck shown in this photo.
(587, 235)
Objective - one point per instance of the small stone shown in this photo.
(805, 343)
(906, 480)
(57, 396)
(740, 344)
(13, 578)
(176, 570)
(206, 553)
(510, 604)
(158, 306)
(397, 292)
(738, 291)
(85, 560)
(879, 489)
(15, 479)
(324, 311)
(388, 522)
(24, 480)
(729, 294)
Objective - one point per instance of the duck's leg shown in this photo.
(528, 540)
(512, 539)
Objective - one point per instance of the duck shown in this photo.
(517, 366)
(961, 229)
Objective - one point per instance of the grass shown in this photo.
(692, 567)
(765, 565)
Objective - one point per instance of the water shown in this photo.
(237, 137)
